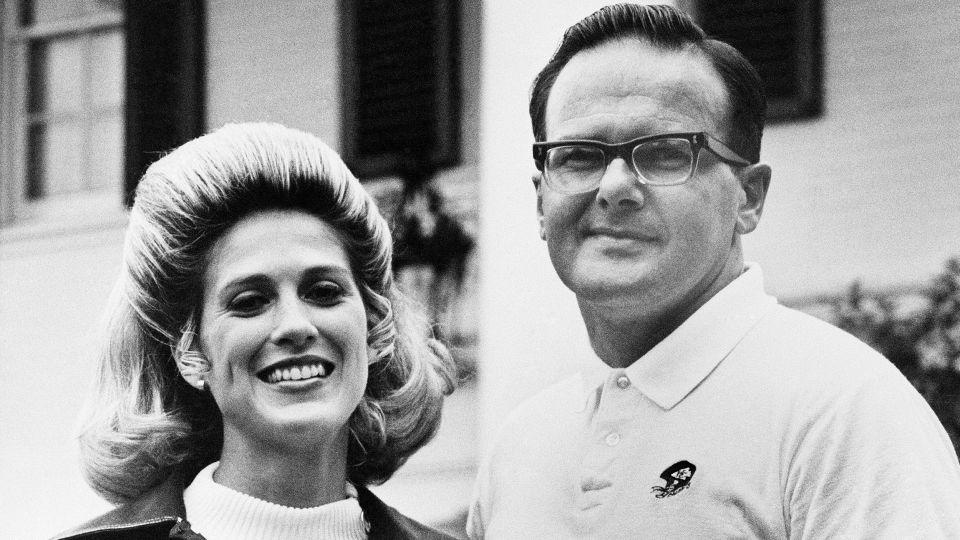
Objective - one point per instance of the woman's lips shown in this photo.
(297, 369)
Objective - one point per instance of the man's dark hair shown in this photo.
(667, 28)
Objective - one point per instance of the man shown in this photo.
(713, 412)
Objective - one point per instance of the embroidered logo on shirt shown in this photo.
(678, 477)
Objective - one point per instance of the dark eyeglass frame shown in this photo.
(698, 141)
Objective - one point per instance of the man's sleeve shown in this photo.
(873, 462)
(480, 502)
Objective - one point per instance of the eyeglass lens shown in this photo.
(580, 167)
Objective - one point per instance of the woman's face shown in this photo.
(284, 327)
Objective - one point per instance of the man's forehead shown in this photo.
(641, 112)
(635, 79)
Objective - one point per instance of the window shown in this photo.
(92, 92)
(782, 39)
(401, 85)
(63, 103)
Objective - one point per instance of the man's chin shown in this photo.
(613, 289)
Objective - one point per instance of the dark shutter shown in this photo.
(400, 85)
(165, 81)
(782, 39)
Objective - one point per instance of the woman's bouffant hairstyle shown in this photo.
(670, 29)
(145, 421)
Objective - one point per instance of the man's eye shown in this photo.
(248, 303)
(575, 157)
(325, 293)
(663, 155)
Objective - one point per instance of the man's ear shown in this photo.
(538, 185)
(754, 183)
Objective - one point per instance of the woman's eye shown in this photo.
(248, 303)
(325, 293)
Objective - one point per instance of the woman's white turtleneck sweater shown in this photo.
(218, 512)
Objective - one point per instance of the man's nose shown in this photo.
(620, 189)
(293, 324)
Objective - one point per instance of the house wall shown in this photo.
(871, 188)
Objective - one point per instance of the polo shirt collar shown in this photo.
(676, 365)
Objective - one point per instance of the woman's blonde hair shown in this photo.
(145, 421)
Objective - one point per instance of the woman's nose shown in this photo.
(620, 189)
(294, 326)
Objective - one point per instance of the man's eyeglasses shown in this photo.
(576, 166)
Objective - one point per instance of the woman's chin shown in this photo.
(307, 421)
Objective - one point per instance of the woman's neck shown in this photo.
(295, 477)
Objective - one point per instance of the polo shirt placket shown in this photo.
(610, 439)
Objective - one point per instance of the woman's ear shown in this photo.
(754, 183)
(193, 366)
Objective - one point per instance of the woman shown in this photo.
(259, 368)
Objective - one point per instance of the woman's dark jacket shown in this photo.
(159, 514)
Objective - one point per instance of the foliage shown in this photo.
(919, 333)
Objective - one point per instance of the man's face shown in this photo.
(628, 245)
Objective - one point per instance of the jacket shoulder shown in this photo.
(110, 527)
(152, 515)
(387, 523)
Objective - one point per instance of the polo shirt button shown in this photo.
(612, 439)
(623, 382)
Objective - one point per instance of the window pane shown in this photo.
(106, 78)
(56, 76)
(106, 153)
(56, 159)
(41, 11)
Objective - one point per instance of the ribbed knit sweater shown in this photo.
(220, 513)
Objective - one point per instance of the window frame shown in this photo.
(15, 209)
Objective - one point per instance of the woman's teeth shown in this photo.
(296, 373)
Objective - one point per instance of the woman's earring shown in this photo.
(372, 355)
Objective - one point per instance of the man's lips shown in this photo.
(297, 368)
(619, 233)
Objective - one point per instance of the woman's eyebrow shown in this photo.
(242, 282)
(328, 271)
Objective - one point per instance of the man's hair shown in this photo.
(669, 29)
(145, 421)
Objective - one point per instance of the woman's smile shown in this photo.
(304, 368)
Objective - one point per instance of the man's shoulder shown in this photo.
(557, 399)
(791, 336)
(543, 416)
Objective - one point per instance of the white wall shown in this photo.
(275, 61)
(52, 290)
(872, 188)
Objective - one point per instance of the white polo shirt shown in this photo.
(751, 420)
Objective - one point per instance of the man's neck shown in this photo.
(620, 334)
